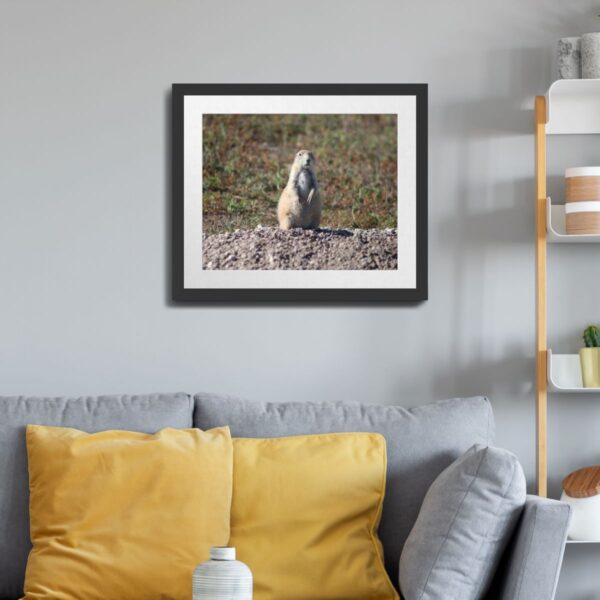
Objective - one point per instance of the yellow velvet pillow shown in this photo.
(305, 513)
(124, 516)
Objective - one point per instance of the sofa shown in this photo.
(421, 443)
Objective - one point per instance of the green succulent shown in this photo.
(591, 337)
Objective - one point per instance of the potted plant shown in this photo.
(590, 357)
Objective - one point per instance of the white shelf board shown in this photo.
(564, 374)
(583, 541)
(557, 229)
(573, 106)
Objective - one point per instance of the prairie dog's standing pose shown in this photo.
(300, 202)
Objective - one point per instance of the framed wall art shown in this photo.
(299, 193)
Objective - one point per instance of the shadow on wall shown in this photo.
(492, 222)
(510, 376)
(513, 77)
(168, 220)
(555, 185)
(478, 239)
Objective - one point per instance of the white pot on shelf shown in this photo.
(585, 520)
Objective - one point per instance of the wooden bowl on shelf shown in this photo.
(582, 209)
(581, 490)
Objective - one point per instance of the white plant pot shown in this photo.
(585, 521)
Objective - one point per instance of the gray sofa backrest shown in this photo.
(135, 413)
(421, 443)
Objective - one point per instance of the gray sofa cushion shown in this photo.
(136, 413)
(421, 442)
(465, 523)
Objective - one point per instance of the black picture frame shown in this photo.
(337, 296)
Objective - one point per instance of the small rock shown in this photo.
(298, 249)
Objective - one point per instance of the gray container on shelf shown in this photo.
(590, 55)
(569, 58)
(222, 577)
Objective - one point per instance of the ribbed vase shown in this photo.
(222, 577)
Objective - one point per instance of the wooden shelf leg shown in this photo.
(541, 298)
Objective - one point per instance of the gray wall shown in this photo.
(84, 199)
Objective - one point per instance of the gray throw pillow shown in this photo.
(466, 520)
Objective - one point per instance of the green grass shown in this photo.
(247, 160)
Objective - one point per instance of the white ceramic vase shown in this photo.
(585, 521)
(590, 55)
(569, 58)
(222, 577)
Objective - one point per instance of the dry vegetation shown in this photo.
(247, 160)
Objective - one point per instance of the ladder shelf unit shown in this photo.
(571, 106)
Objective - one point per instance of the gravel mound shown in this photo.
(271, 248)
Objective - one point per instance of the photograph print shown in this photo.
(299, 193)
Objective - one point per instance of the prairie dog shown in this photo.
(300, 201)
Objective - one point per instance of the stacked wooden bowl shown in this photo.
(581, 490)
(582, 209)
